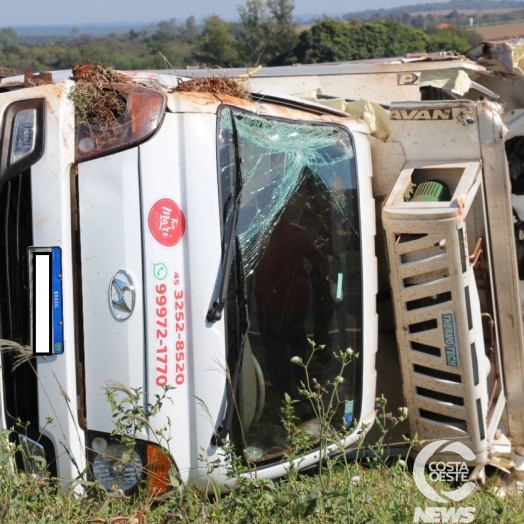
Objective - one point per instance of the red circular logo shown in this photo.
(166, 222)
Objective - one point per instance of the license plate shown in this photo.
(45, 291)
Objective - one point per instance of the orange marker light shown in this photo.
(158, 466)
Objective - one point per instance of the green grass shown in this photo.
(355, 493)
(373, 489)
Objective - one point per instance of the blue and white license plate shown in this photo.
(45, 289)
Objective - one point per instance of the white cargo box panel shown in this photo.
(451, 388)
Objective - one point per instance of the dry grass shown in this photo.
(97, 105)
(215, 85)
(96, 102)
(99, 74)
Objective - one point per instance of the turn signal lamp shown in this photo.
(158, 466)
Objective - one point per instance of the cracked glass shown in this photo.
(298, 268)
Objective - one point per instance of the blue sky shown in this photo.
(67, 12)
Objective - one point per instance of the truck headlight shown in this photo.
(115, 466)
(23, 140)
(143, 111)
(33, 456)
(22, 137)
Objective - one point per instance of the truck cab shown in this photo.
(200, 246)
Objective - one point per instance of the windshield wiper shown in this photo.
(222, 432)
(215, 312)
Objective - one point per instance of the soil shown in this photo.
(498, 32)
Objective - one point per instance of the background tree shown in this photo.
(266, 34)
(167, 41)
(283, 34)
(451, 39)
(332, 40)
(167, 30)
(386, 39)
(254, 32)
(8, 37)
(190, 31)
(326, 41)
(216, 45)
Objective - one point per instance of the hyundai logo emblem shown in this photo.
(121, 295)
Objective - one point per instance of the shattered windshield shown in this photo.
(298, 267)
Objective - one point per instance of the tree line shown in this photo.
(266, 34)
(457, 13)
(488, 6)
(454, 18)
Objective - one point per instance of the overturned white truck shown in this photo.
(489, 72)
(198, 240)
